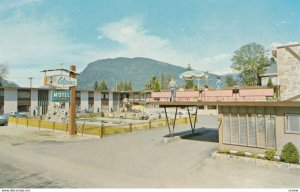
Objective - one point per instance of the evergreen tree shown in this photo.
(96, 86)
(152, 84)
(156, 86)
(162, 81)
(189, 84)
(103, 86)
(129, 88)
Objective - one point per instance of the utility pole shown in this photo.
(30, 81)
(72, 112)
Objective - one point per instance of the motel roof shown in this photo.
(227, 103)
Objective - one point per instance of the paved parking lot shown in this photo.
(33, 158)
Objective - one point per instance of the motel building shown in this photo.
(36, 101)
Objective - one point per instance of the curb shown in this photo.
(264, 162)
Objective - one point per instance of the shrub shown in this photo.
(102, 114)
(289, 153)
(240, 153)
(226, 151)
(270, 83)
(254, 155)
(270, 154)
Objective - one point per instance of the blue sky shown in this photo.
(41, 34)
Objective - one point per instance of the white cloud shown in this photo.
(29, 44)
(281, 23)
(14, 4)
(136, 41)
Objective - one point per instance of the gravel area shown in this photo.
(45, 159)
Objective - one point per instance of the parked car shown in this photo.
(19, 115)
(4, 119)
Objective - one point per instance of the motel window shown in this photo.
(226, 128)
(234, 129)
(104, 95)
(91, 94)
(261, 129)
(252, 131)
(270, 123)
(292, 123)
(257, 130)
(24, 94)
(243, 129)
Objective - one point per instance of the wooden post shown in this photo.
(130, 127)
(82, 129)
(53, 126)
(149, 124)
(67, 128)
(27, 122)
(101, 131)
(40, 124)
(72, 103)
(17, 121)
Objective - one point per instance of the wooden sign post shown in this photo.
(64, 82)
(72, 112)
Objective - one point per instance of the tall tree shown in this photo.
(103, 86)
(162, 81)
(251, 61)
(189, 84)
(129, 86)
(96, 85)
(153, 84)
(3, 73)
(230, 80)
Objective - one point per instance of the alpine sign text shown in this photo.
(60, 81)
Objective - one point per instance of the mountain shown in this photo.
(6, 83)
(137, 70)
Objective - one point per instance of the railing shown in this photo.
(261, 94)
(91, 129)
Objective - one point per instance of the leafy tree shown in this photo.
(103, 86)
(124, 86)
(3, 72)
(189, 84)
(156, 86)
(251, 61)
(270, 83)
(96, 85)
(129, 86)
(153, 84)
(230, 80)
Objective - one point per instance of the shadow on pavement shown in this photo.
(201, 134)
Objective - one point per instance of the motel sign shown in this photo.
(62, 96)
(60, 81)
